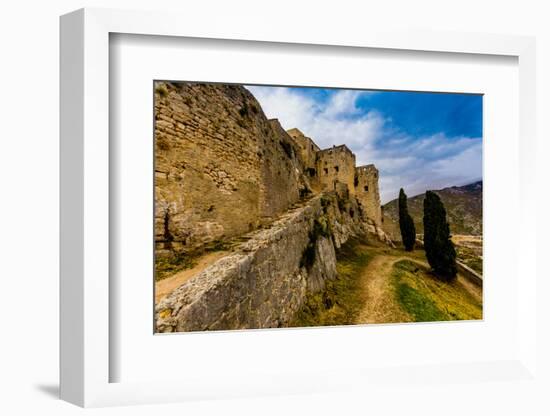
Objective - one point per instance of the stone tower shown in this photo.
(336, 164)
(367, 192)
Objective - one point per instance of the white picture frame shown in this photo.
(86, 357)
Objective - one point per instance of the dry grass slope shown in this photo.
(427, 299)
(383, 285)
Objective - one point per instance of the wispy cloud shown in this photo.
(416, 163)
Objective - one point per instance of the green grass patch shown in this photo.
(341, 300)
(427, 299)
(419, 306)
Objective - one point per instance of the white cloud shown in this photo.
(413, 163)
(342, 103)
(433, 162)
(328, 124)
(291, 109)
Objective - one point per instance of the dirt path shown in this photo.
(166, 286)
(380, 305)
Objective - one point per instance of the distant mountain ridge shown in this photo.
(464, 206)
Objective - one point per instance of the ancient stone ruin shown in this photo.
(224, 171)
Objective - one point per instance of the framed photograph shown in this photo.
(259, 226)
(280, 213)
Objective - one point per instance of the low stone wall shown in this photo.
(467, 272)
(470, 274)
(266, 280)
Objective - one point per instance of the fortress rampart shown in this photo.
(222, 169)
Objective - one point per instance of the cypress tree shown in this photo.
(440, 250)
(406, 224)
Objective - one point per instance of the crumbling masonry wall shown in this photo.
(217, 155)
(308, 150)
(265, 281)
(222, 169)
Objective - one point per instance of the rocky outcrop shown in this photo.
(379, 232)
(265, 281)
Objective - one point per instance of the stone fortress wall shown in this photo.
(223, 170)
(264, 282)
(308, 151)
(307, 147)
(326, 168)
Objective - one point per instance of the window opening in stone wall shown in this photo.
(366, 188)
(336, 169)
(326, 171)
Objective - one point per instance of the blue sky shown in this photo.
(418, 140)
